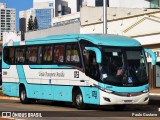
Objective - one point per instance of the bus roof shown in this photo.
(98, 39)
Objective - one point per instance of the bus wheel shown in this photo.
(119, 107)
(78, 100)
(23, 96)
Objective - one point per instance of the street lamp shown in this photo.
(104, 17)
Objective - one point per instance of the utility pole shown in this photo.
(104, 16)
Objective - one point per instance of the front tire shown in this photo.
(23, 96)
(78, 100)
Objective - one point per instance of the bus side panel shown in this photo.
(62, 93)
(90, 95)
(10, 80)
(50, 92)
(11, 89)
(95, 95)
(34, 91)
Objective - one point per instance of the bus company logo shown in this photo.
(76, 74)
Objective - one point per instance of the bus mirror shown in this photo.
(97, 52)
(153, 55)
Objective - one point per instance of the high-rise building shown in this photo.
(7, 19)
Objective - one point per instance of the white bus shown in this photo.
(79, 68)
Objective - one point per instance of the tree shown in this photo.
(30, 23)
(35, 24)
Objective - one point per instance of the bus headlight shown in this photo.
(103, 89)
(145, 91)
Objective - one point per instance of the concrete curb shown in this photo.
(8, 98)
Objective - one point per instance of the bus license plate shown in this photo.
(128, 101)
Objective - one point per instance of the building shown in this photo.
(43, 11)
(7, 19)
(65, 24)
(125, 3)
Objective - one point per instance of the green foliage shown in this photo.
(32, 25)
(35, 24)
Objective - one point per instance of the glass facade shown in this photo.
(155, 4)
(100, 3)
(43, 18)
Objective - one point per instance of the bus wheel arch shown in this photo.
(77, 98)
(23, 94)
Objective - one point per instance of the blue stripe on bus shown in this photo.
(17, 43)
(124, 89)
(21, 74)
(48, 66)
(4, 65)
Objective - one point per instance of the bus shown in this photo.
(78, 68)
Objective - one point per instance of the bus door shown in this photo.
(92, 71)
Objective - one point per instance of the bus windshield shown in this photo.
(123, 66)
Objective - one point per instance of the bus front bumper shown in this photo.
(112, 99)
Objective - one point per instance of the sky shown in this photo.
(19, 5)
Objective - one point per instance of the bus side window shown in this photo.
(72, 55)
(31, 54)
(89, 57)
(39, 54)
(47, 53)
(59, 54)
(20, 55)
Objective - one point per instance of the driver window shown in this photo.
(89, 57)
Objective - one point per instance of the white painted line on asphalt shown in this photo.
(156, 94)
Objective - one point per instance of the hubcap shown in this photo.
(23, 95)
(79, 99)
